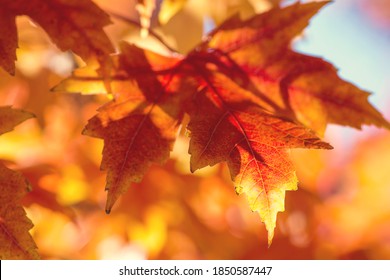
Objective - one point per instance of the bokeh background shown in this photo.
(342, 207)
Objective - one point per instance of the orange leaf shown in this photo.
(140, 125)
(75, 25)
(224, 126)
(9, 118)
(250, 99)
(8, 41)
(242, 60)
(318, 97)
(298, 86)
(15, 241)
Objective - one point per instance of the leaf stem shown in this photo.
(151, 32)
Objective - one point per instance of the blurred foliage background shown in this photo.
(342, 207)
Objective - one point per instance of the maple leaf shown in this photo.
(75, 25)
(10, 117)
(15, 240)
(253, 139)
(298, 86)
(226, 126)
(250, 99)
(140, 125)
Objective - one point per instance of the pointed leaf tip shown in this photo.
(271, 232)
(269, 242)
(109, 203)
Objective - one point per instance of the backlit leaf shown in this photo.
(10, 117)
(140, 125)
(75, 25)
(298, 86)
(226, 127)
(15, 240)
(250, 99)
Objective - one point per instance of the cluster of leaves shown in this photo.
(249, 98)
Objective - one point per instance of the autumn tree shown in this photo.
(241, 95)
